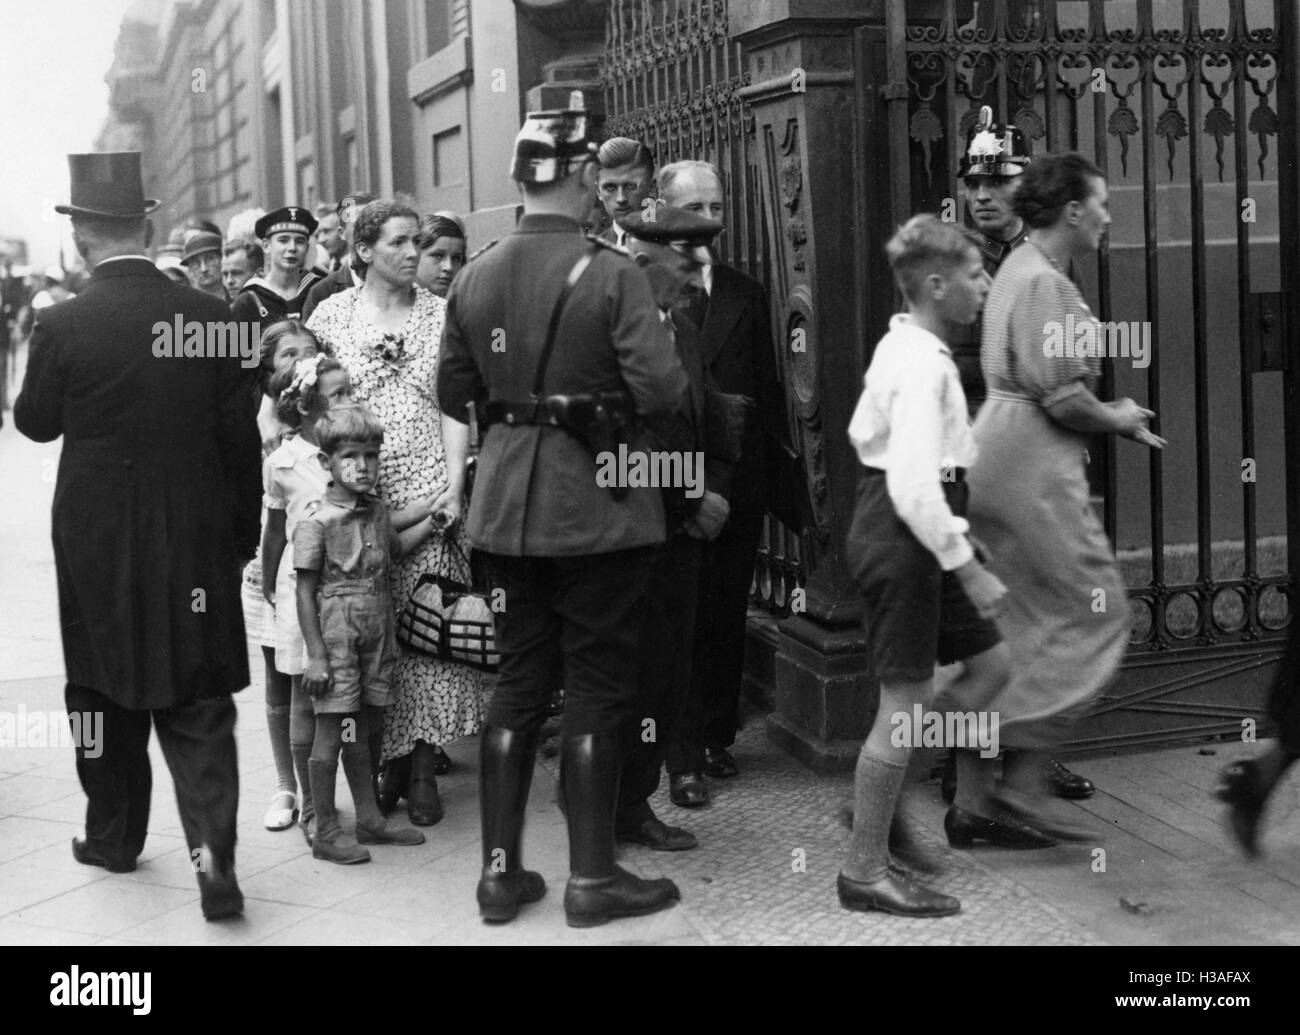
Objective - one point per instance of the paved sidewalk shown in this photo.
(771, 844)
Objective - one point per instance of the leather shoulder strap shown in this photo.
(575, 274)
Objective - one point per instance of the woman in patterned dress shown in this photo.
(386, 333)
(1067, 621)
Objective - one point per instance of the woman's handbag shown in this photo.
(448, 620)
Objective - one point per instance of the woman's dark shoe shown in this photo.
(394, 783)
(423, 804)
(895, 894)
(1025, 809)
(1243, 790)
(965, 828)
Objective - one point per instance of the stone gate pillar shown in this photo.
(814, 95)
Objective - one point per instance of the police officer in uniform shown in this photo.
(572, 556)
(990, 170)
(672, 246)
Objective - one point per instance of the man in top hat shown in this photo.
(202, 261)
(736, 337)
(573, 557)
(281, 292)
(147, 565)
(672, 247)
(344, 276)
(995, 156)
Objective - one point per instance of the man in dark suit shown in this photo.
(572, 558)
(344, 276)
(734, 320)
(672, 246)
(147, 563)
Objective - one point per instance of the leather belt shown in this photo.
(354, 587)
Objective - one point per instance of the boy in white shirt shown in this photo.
(926, 597)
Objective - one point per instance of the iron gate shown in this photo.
(672, 78)
(1183, 104)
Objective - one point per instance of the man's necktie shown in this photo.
(697, 306)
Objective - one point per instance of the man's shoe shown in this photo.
(87, 857)
(894, 894)
(501, 894)
(220, 896)
(965, 828)
(388, 834)
(591, 901)
(655, 833)
(1065, 784)
(718, 762)
(688, 790)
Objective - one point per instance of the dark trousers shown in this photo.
(710, 714)
(570, 622)
(668, 624)
(1284, 699)
(198, 742)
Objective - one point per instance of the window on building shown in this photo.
(449, 158)
(437, 24)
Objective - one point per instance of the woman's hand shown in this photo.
(1134, 421)
(446, 507)
(985, 589)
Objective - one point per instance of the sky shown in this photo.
(54, 55)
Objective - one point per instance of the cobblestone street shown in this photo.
(1171, 876)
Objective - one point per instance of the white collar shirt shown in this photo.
(911, 422)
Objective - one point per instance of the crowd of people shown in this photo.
(337, 471)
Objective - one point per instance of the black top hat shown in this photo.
(107, 184)
(993, 150)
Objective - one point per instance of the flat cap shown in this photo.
(675, 226)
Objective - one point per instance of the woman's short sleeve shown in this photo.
(1049, 318)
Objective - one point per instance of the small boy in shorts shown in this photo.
(343, 547)
(926, 598)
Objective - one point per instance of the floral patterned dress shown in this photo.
(394, 377)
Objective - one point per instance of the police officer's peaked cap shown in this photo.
(994, 149)
(551, 144)
(664, 225)
(288, 220)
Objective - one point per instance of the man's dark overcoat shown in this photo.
(157, 498)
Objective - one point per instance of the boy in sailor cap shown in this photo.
(280, 291)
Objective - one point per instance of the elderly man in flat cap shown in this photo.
(155, 509)
(556, 340)
(672, 247)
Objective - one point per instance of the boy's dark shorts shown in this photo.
(914, 612)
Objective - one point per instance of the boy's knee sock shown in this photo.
(277, 728)
(302, 734)
(877, 784)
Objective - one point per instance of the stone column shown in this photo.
(817, 115)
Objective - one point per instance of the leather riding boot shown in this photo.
(598, 889)
(372, 828)
(329, 842)
(506, 759)
(422, 802)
